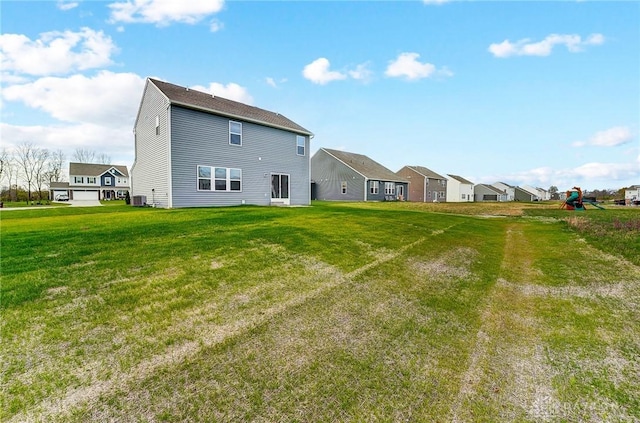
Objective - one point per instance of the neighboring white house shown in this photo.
(506, 188)
(459, 189)
(632, 193)
(90, 181)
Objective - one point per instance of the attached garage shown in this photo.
(85, 195)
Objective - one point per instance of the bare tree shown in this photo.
(41, 159)
(84, 155)
(4, 163)
(54, 168)
(12, 172)
(103, 158)
(27, 163)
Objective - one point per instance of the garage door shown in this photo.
(85, 195)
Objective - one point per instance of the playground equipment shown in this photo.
(575, 201)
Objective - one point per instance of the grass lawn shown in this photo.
(335, 312)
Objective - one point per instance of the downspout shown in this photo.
(425, 184)
(365, 188)
(170, 181)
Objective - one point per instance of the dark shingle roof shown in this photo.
(92, 169)
(427, 172)
(365, 166)
(187, 97)
(460, 179)
(492, 188)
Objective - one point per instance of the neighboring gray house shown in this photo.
(522, 194)
(91, 181)
(195, 149)
(338, 175)
(425, 185)
(459, 189)
(485, 192)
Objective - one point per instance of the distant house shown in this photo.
(339, 175)
(526, 194)
(485, 192)
(632, 194)
(425, 185)
(90, 181)
(194, 149)
(459, 189)
(538, 193)
(509, 189)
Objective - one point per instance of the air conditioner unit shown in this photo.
(139, 200)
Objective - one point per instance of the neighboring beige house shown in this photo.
(459, 189)
(632, 194)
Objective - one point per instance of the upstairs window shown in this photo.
(107, 180)
(235, 133)
(300, 141)
(343, 187)
(157, 125)
(91, 180)
(78, 179)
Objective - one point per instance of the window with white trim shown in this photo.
(222, 179)
(107, 180)
(389, 188)
(343, 187)
(157, 125)
(373, 187)
(91, 179)
(300, 141)
(235, 133)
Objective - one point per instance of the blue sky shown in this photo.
(528, 93)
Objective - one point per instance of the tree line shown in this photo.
(30, 168)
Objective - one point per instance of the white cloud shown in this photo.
(406, 65)
(231, 91)
(270, 81)
(361, 72)
(592, 175)
(66, 5)
(525, 47)
(56, 52)
(611, 137)
(318, 72)
(163, 12)
(216, 25)
(109, 99)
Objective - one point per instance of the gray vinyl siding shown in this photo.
(328, 174)
(151, 168)
(202, 139)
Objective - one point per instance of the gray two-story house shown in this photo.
(339, 175)
(194, 149)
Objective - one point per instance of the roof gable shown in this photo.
(362, 164)
(186, 97)
(93, 169)
(492, 188)
(460, 179)
(427, 173)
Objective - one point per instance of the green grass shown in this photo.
(336, 312)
